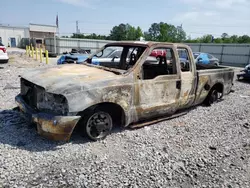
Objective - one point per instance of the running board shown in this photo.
(139, 125)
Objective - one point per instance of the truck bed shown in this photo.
(211, 75)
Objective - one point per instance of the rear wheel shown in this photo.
(97, 125)
(212, 97)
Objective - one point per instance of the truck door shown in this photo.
(157, 87)
(188, 80)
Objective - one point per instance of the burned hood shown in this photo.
(69, 78)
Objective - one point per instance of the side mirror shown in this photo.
(199, 59)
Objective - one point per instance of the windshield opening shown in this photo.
(117, 57)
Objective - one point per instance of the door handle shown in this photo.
(178, 84)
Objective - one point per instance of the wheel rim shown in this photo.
(213, 97)
(99, 125)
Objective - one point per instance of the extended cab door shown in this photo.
(158, 85)
(188, 77)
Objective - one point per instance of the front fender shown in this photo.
(122, 96)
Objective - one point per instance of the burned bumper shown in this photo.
(49, 126)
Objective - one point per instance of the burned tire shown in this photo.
(213, 96)
(97, 125)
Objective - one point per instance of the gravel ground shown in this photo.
(208, 147)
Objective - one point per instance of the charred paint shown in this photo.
(56, 128)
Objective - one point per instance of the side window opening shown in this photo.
(210, 56)
(164, 64)
(184, 60)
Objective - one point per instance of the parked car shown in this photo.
(95, 98)
(158, 53)
(245, 73)
(205, 58)
(79, 58)
(75, 56)
(4, 58)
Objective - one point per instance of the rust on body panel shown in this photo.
(55, 128)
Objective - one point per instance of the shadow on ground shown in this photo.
(17, 132)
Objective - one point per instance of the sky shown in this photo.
(198, 17)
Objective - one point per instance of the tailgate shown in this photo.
(210, 77)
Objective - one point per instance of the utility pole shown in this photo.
(77, 29)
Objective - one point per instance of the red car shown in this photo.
(158, 53)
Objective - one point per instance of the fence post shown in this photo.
(222, 53)
(200, 47)
(47, 56)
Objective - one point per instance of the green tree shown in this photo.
(218, 40)
(154, 32)
(131, 32)
(138, 33)
(234, 39)
(206, 39)
(78, 36)
(165, 32)
(244, 39)
(119, 32)
(181, 34)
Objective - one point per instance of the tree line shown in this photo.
(160, 32)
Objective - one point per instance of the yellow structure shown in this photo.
(47, 56)
(41, 55)
(32, 55)
(29, 50)
(26, 50)
(36, 54)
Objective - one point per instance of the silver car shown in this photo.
(205, 58)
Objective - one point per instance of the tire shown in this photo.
(97, 125)
(212, 97)
(4, 61)
(216, 64)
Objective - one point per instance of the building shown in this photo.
(40, 32)
(13, 36)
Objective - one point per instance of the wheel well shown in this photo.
(219, 87)
(116, 111)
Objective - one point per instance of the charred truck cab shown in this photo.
(129, 89)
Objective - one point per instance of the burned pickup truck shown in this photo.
(133, 91)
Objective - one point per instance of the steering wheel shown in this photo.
(99, 55)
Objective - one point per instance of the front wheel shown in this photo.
(97, 125)
(216, 64)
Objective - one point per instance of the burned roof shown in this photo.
(141, 43)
